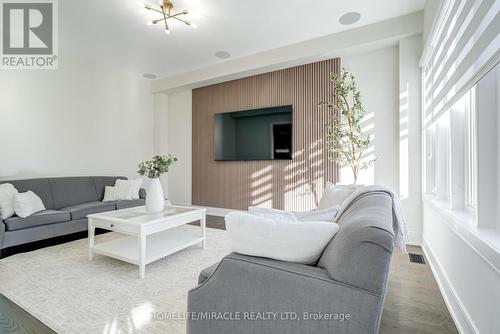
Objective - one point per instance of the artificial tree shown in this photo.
(346, 140)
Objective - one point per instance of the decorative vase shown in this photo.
(155, 200)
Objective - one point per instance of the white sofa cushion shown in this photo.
(26, 204)
(300, 242)
(334, 195)
(7, 193)
(132, 186)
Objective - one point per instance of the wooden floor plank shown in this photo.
(15, 320)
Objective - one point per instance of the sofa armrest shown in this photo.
(243, 284)
(2, 233)
(142, 193)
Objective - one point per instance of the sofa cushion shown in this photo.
(129, 204)
(40, 218)
(80, 211)
(70, 191)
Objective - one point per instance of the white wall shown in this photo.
(376, 73)
(82, 119)
(180, 145)
(430, 12)
(173, 135)
(410, 180)
(389, 82)
(488, 187)
(160, 127)
(465, 270)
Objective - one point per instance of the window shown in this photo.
(429, 167)
(470, 149)
(443, 158)
(462, 153)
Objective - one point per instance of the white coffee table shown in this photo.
(149, 236)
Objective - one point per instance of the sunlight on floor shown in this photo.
(139, 316)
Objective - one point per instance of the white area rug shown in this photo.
(60, 287)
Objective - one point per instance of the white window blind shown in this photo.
(459, 52)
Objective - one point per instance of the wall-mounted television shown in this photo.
(257, 134)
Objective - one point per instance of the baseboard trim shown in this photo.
(457, 310)
(415, 238)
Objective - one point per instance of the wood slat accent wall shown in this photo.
(295, 184)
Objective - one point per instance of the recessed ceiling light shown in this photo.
(222, 54)
(350, 18)
(149, 76)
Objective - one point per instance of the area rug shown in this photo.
(61, 288)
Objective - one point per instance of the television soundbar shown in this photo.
(257, 134)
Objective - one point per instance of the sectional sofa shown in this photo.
(68, 201)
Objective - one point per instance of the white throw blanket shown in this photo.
(398, 218)
(321, 215)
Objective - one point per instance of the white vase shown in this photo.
(155, 200)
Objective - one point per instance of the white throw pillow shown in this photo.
(334, 195)
(116, 194)
(26, 204)
(277, 215)
(7, 193)
(300, 242)
(133, 187)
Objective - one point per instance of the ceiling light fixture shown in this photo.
(165, 10)
(349, 18)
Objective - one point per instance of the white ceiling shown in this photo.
(116, 30)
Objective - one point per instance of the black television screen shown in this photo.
(258, 134)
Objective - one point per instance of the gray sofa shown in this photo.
(348, 282)
(68, 201)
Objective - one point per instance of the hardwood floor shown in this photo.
(413, 304)
(15, 320)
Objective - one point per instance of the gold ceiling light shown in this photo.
(166, 12)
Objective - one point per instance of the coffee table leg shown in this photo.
(142, 255)
(203, 229)
(91, 229)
